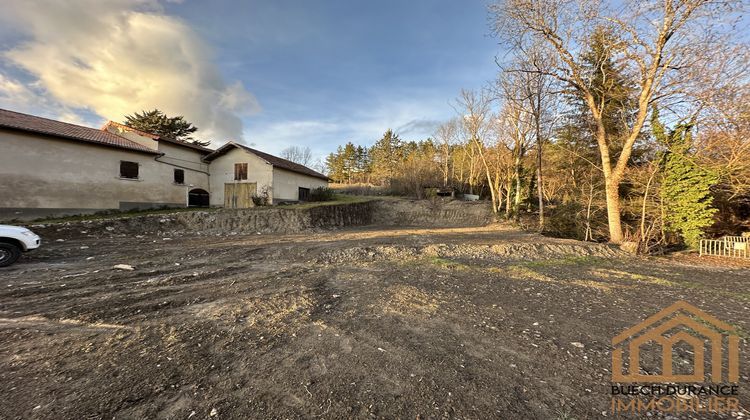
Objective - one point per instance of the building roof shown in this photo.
(158, 137)
(273, 160)
(38, 125)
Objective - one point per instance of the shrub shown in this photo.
(262, 199)
(321, 194)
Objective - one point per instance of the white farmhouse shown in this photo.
(52, 168)
(237, 170)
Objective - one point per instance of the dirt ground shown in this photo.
(356, 323)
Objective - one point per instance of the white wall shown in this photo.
(286, 184)
(182, 157)
(47, 175)
(222, 171)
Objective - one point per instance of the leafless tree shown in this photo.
(298, 154)
(517, 123)
(662, 44)
(533, 94)
(475, 113)
(446, 135)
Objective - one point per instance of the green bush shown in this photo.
(322, 194)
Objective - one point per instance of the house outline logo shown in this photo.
(705, 327)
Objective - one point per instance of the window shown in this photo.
(128, 170)
(304, 194)
(240, 171)
(179, 176)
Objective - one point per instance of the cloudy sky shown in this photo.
(269, 73)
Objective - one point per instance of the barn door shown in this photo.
(239, 196)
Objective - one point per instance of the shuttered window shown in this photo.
(179, 176)
(240, 171)
(128, 169)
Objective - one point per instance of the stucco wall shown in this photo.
(56, 176)
(286, 184)
(222, 171)
(182, 157)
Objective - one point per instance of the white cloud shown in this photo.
(31, 99)
(412, 118)
(117, 57)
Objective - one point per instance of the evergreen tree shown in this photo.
(335, 165)
(686, 186)
(156, 122)
(385, 156)
(612, 89)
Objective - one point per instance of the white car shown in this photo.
(13, 241)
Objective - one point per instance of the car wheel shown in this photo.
(9, 253)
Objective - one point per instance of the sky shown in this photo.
(271, 74)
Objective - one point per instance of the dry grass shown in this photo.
(277, 313)
(409, 300)
(608, 273)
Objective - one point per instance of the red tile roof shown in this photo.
(273, 160)
(39, 125)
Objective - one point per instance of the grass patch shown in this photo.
(556, 262)
(523, 272)
(446, 263)
(624, 275)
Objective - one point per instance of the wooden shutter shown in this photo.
(240, 171)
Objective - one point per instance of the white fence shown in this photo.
(736, 238)
(728, 246)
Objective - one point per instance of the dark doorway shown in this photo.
(304, 194)
(198, 198)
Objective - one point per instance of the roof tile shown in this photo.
(39, 125)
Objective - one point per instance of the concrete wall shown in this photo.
(42, 176)
(286, 184)
(222, 171)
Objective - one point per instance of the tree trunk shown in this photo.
(538, 123)
(612, 177)
(612, 189)
(517, 201)
(539, 190)
(508, 192)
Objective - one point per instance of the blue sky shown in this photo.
(275, 73)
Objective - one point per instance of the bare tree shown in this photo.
(298, 154)
(446, 135)
(723, 141)
(533, 94)
(516, 122)
(661, 43)
(475, 111)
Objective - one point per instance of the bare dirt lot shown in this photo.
(354, 323)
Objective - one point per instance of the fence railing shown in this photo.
(728, 246)
(736, 238)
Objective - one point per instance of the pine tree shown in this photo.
(385, 156)
(335, 165)
(686, 186)
(156, 122)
